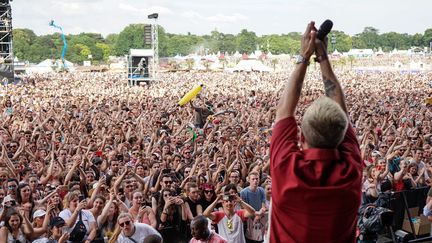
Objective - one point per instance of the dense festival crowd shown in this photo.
(85, 158)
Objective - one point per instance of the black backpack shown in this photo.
(79, 231)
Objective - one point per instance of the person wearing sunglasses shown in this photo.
(208, 195)
(165, 183)
(133, 232)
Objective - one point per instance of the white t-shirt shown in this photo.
(87, 218)
(41, 240)
(141, 232)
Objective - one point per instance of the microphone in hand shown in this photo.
(324, 29)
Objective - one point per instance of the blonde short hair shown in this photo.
(324, 124)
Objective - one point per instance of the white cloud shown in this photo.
(218, 18)
(227, 18)
(192, 15)
(127, 7)
(72, 8)
(144, 10)
(159, 9)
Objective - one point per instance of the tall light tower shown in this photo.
(333, 41)
(6, 52)
(155, 44)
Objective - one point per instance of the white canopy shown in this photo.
(335, 53)
(251, 65)
(49, 65)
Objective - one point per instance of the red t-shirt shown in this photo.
(316, 192)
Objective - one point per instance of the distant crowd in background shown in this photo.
(85, 158)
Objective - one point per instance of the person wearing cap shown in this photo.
(41, 220)
(55, 233)
(8, 202)
(230, 222)
(327, 163)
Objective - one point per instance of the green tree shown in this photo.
(163, 45)
(417, 40)
(22, 40)
(130, 37)
(227, 43)
(427, 37)
(344, 42)
(105, 49)
(43, 48)
(82, 52)
(392, 40)
(183, 44)
(367, 39)
(247, 41)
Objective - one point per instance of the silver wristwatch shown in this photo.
(302, 59)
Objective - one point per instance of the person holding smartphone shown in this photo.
(172, 215)
(75, 211)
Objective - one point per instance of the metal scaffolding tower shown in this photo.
(155, 45)
(6, 53)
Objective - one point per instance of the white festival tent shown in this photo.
(49, 65)
(251, 65)
(335, 53)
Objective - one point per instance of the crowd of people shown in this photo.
(85, 158)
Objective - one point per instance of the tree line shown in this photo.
(93, 46)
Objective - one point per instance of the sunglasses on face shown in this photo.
(125, 223)
(168, 182)
(208, 191)
(12, 187)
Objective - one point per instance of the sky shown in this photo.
(228, 16)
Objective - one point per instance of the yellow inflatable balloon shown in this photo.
(190, 95)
